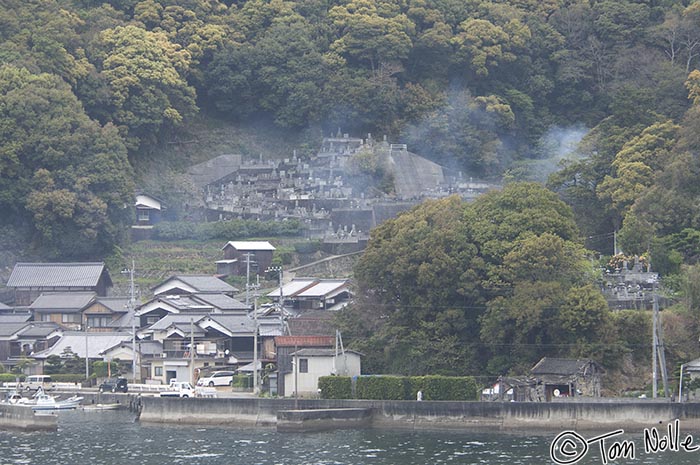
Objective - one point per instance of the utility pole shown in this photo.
(658, 351)
(87, 358)
(247, 278)
(280, 302)
(131, 309)
(192, 351)
(256, 391)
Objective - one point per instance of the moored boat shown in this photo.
(47, 402)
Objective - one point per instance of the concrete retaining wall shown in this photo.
(23, 418)
(487, 416)
(323, 419)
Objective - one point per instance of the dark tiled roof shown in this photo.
(559, 366)
(66, 301)
(40, 275)
(235, 323)
(312, 324)
(201, 283)
(8, 329)
(14, 318)
(222, 302)
(39, 329)
(115, 304)
(178, 320)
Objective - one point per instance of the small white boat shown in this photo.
(96, 407)
(47, 402)
(16, 398)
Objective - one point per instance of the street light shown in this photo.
(278, 269)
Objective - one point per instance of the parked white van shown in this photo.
(34, 382)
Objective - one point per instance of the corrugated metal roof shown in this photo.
(250, 245)
(558, 366)
(292, 288)
(325, 288)
(305, 341)
(62, 301)
(316, 352)
(147, 201)
(56, 275)
(78, 340)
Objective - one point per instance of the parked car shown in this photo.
(217, 378)
(178, 389)
(114, 385)
(34, 382)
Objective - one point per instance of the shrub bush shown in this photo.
(242, 381)
(381, 387)
(307, 247)
(444, 387)
(10, 377)
(406, 388)
(224, 230)
(335, 387)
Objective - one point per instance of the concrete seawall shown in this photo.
(484, 416)
(23, 418)
(323, 419)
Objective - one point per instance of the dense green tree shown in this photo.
(145, 73)
(60, 171)
(506, 269)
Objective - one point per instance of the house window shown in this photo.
(152, 319)
(303, 365)
(157, 371)
(98, 321)
(71, 318)
(144, 215)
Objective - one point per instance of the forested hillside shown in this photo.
(91, 92)
(470, 84)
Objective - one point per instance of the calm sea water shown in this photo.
(115, 438)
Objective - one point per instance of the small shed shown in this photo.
(239, 255)
(148, 210)
(562, 377)
(309, 364)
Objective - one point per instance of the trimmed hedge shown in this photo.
(382, 387)
(444, 387)
(10, 377)
(399, 387)
(335, 387)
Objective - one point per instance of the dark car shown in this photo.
(114, 385)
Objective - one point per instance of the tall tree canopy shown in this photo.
(505, 275)
(62, 174)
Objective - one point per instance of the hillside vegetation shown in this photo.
(99, 98)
